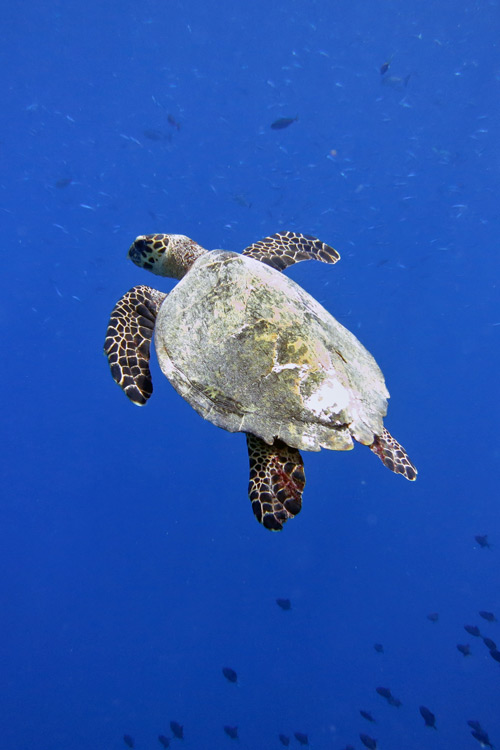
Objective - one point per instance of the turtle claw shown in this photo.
(393, 455)
(277, 481)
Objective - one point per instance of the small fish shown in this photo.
(482, 540)
(177, 730)
(464, 648)
(64, 182)
(128, 740)
(385, 67)
(482, 737)
(231, 732)
(283, 122)
(285, 604)
(474, 725)
(473, 630)
(495, 654)
(489, 643)
(284, 739)
(488, 616)
(367, 715)
(368, 741)
(428, 717)
(433, 617)
(378, 648)
(163, 740)
(301, 738)
(396, 82)
(173, 122)
(230, 674)
(154, 135)
(386, 693)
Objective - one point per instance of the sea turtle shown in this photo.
(252, 352)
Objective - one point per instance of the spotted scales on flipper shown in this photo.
(393, 455)
(283, 249)
(277, 481)
(128, 340)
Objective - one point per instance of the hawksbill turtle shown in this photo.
(253, 352)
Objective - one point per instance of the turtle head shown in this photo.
(165, 254)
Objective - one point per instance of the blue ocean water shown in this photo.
(133, 570)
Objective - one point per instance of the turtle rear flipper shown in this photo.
(277, 481)
(283, 249)
(128, 340)
(393, 455)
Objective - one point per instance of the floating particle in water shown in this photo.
(284, 739)
(128, 740)
(433, 617)
(231, 732)
(464, 648)
(378, 648)
(163, 740)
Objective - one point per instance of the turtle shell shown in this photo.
(252, 351)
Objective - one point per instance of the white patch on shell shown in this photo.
(330, 398)
(291, 366)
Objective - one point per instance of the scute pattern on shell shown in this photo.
(252, 351)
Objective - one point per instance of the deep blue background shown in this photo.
(132, 567)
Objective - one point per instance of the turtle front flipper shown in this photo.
(283, 249)
(128, 340)
(393, 455)
(277, 481)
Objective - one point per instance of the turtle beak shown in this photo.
(139, 251)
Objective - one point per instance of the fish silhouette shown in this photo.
(368, 741)
(428, 717)
(283, 122)
(230, 674)
(489, 616)
(231, 732)
(177, 730)
(473, 630)
(301, 738)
